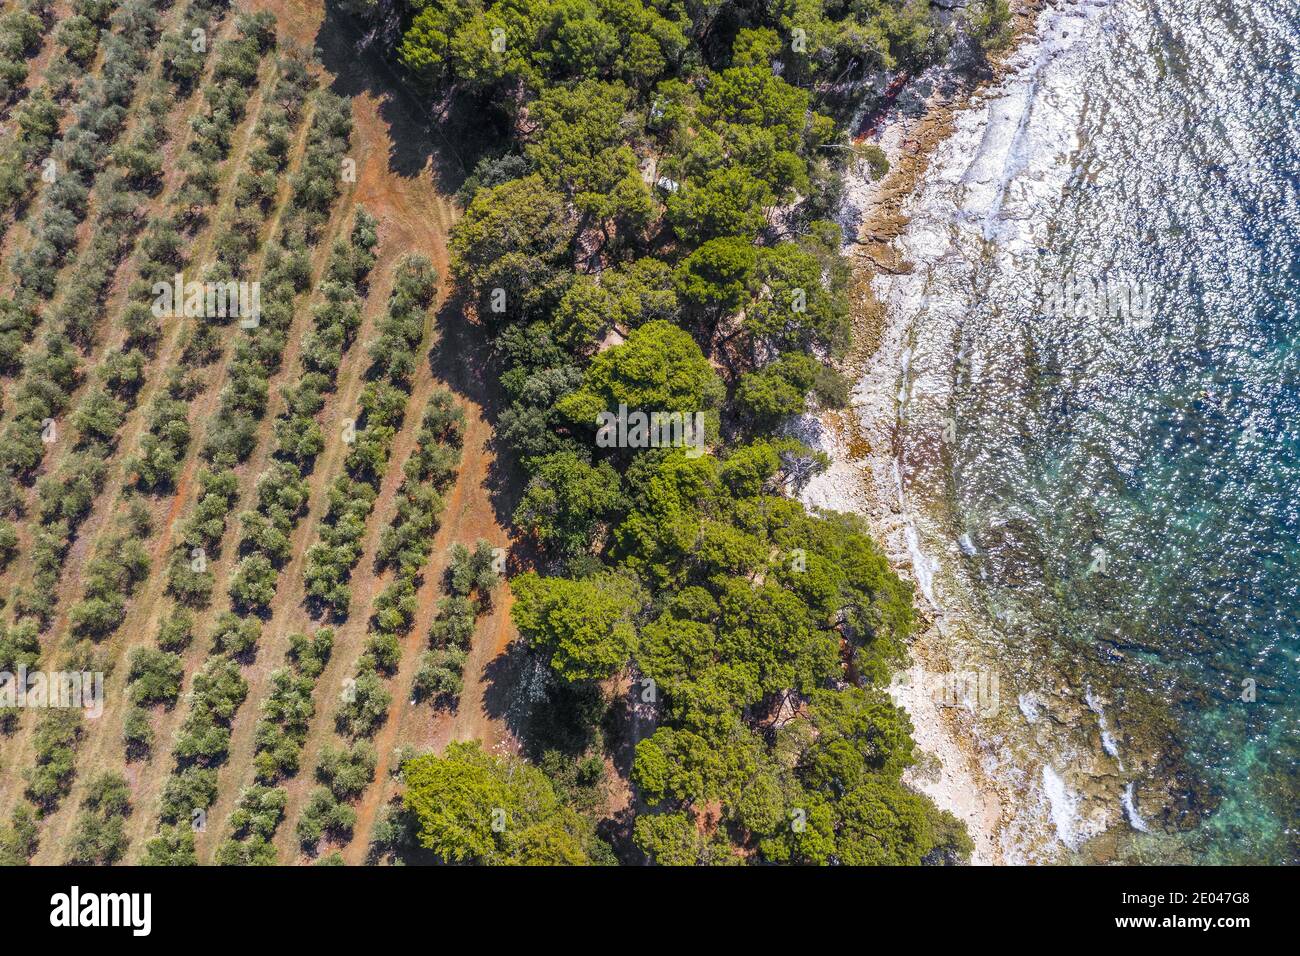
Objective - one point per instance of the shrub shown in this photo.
(174, 846)
(258, 812)
(454, 624)
(177, 630)
(137, 733)
(282, 730)
(18, 840)
(50, 776)
(99, 837)
(253, 586)
(190, 789)
(441, 673)
(347, 771)
(20, 645)
(154, 677)
(322, 815)
(309, 655)
(367, 708)
(219, 689)
(80, 37)
(471, 571)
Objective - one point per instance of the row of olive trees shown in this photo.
(281, 489)
(282, 494)
(87, 157)
(287, 712)
(102, 609)
(163, 448)
(344, 773)
(50, 375)
(121, 561)
(383, 405)
(38, 115)
(66, 496)
(394, 356)
(471, 578)
(219, 686)
(156, 677)
(96, 420)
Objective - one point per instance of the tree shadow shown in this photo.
(462, 357)
(616, 830)
(446, 136)
(628, 722)
(505, 697)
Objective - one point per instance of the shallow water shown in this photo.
(1101, 417)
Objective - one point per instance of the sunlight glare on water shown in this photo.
(1128, 482)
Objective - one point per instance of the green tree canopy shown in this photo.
(658, 369)
(514, 237)
(579, 150)
(473, 807)
(565, 499)
(586, 625)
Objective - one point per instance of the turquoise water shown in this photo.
(1130, 485)
(1112, 484)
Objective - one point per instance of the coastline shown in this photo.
(955, 769)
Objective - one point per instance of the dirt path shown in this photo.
(413, 217)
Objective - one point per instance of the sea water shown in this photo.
(1099, 421)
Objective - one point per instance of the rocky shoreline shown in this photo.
(864, 477)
